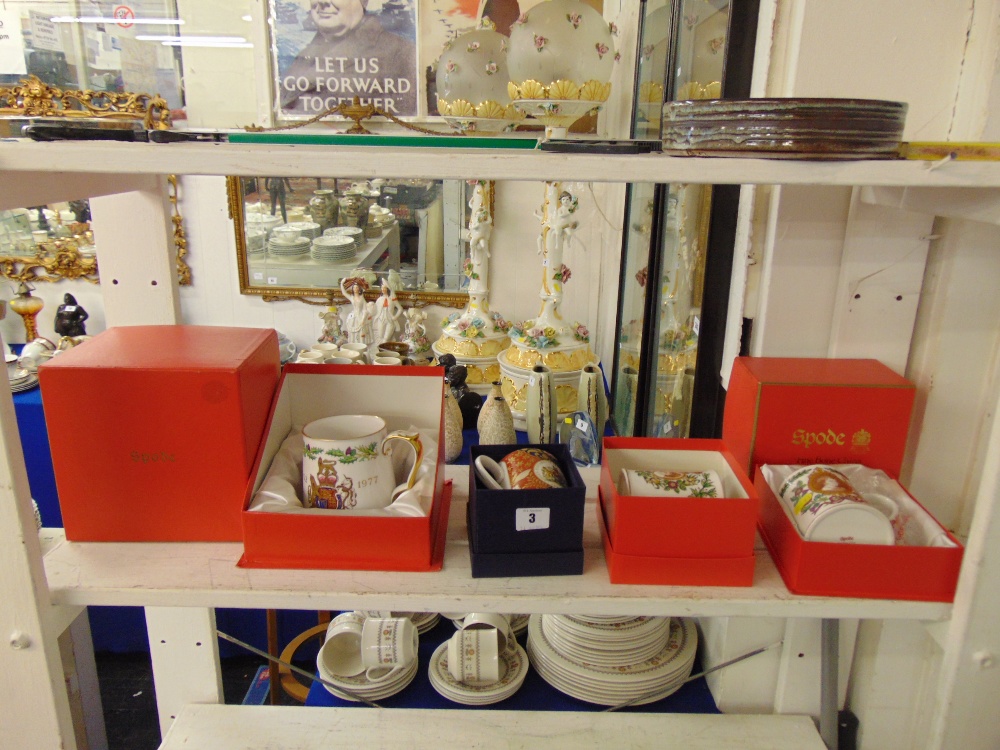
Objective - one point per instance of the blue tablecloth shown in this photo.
(534, 695)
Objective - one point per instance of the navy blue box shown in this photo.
(498, 549)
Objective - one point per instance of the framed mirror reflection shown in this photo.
(299, 237)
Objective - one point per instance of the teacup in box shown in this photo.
(657, 483)
(522, 469)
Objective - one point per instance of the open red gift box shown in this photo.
(405, 397)
(831, 411)
(692, 541)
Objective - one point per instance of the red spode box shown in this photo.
(404, 397)
(831, 411)
(678, 526)
(868, 571)
(154, 430)
(805, 411)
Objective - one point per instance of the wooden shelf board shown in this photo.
(370, 162)
(195, 574)
(313, 728)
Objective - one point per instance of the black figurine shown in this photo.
(447, 361)
(469, 402)
(70, 318)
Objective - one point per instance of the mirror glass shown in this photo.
(300, 236)
(47, 243)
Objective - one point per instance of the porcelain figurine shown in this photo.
(333, 329)
(359, 320)
(385, 323)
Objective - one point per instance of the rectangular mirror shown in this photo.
(298, 237)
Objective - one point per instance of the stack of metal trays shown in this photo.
(785, 128)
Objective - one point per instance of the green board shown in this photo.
(395, 141)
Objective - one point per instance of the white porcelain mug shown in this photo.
(826, 507)
(309, 357)
(474, 656)
(388, 645)
(324, 348)
(361, 349)
(641, 483)
(346, 463)
(340, 654)
(492, 621)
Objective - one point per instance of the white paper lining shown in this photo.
(913, 526)
(280, 492)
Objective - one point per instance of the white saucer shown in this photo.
(514, 669)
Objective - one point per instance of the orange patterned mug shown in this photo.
(523, 469)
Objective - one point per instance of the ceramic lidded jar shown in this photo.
(561, 50)
(472, 82)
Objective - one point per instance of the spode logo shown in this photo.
(829, 437)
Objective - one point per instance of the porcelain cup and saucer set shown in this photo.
(368, 658)
(482, 663)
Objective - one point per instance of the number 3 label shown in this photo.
(529, 519)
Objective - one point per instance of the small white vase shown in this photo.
(498, 427)
(452, 427)
(489, 404)
(592, 398)
(541, 408)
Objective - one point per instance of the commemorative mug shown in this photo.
(639, 483)
(346, 463)
(826, 507)
(523, 469)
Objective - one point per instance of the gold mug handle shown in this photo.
(413, 440)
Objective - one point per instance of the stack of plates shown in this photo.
(609, 661)
(289, 247)
(356, 234)
(308, 229)
(362, 687)
(334, 248)
(786, 128)
(23, 381)
(513, 670)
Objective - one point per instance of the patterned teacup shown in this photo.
(637, 482)
(346, 463)
(523, 469)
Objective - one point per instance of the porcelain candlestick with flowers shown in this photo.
(560, 345)
(476, 335)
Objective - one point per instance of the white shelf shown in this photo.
(206, 575)
(499, 164)
(297, 728)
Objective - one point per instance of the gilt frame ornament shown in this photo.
(32, 97)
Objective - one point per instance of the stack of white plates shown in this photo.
(518, 623)
(361, 687)
(356, 234)
(308, 229)
(513, 670)
(609, 661)
(290, 247)
(23, 381)
(335, 248)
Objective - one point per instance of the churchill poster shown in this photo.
(330, 51)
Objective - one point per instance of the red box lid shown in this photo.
(803, 411)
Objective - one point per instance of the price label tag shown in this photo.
(530, 519)
(545, 262)
(272, 280)
(531, 381)
(696, 325)
(258, 276)
(582, 426)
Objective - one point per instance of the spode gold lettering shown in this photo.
(148, 458)
(806, 439)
